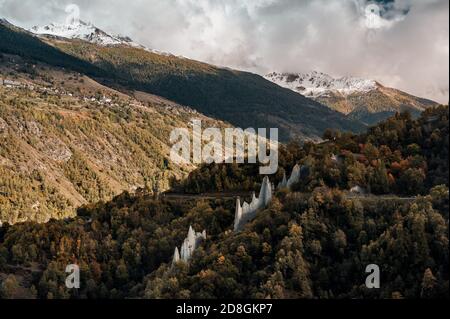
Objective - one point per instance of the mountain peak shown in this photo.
(362, 99)
(84, 31)
(317, 84)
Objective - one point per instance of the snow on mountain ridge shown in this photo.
(79, 30)
(90, 33)
(317, 84)
(5, 22)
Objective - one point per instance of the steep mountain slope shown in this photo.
(81, 126)
(360, 99)
(19, 42)
(312, 245)
(67, 140)
(243, 99)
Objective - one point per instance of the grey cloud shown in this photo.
(279, 35)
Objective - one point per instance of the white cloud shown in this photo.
(410, 52)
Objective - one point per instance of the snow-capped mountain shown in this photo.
(88, 32)
(81, 30)
(362, 99)
(317, 84)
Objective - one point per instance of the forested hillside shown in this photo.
(17, 42)
(67, 140)
(402, 156)
(310, 244)
(243, 99)
(240, 98)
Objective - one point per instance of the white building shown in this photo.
(9, 83)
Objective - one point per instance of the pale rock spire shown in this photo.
(245, 208)
(254, 204)
(237, 214)
(283, 183)
(265, 194)
(247, 212)
(191, 243)
(176, 256)
(295, 176)
(191, 236)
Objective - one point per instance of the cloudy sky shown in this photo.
(401, 43)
